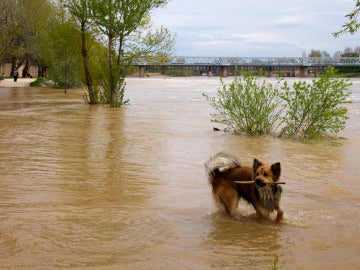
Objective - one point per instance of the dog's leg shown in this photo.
(262, 213)
(280, 214)
(226, 196)
(231, 205)
(230, 201)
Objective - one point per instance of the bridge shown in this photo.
(291, 66)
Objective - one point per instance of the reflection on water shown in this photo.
(93, 187)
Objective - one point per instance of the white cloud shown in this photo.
(288, 21)
(259, 37)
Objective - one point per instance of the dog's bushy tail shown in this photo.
(220, 162)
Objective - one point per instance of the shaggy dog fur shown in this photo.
(264, 194)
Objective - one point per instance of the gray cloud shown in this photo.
(255, 28)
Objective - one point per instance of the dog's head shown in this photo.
(265, 174)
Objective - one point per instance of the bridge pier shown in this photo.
(163, 70)
(223, 71)
(301, 72)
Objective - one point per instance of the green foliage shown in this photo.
(64, 73)
(247, 106)
(106, 96)
(38, 82)
(9, 30)
(64, 56)
(125, 24)
(348, 72)
(313, 108)
(22, 30)
(92, 41)
(275, 263)
(318, 53)
(352, 26)
(305, 110)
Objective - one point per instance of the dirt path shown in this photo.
(20, 82)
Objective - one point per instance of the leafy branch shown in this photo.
(352, 26)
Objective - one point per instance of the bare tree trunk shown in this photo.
(41, 70)
(110, 60)
(66, 71)
(88, 77)
(25, 71)
(111, 73)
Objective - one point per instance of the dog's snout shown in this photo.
(260, 182)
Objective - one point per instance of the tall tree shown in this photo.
(318, 53)
(8, 29)
(34, 19)
(120, 22)
(125, 27)
(11, 32)
(80, 9)
(22, 22)
(315, 53)
(64, 56)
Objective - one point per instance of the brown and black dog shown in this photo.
(263, 194)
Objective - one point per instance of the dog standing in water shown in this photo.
(260, 185)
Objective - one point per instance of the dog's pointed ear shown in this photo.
(256, 164)
(276, 170)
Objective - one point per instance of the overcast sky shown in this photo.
(256, 27)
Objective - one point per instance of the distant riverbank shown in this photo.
(21, 82)
(25, 82)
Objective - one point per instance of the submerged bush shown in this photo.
(275, 264)
(306, 110)
(38, 82)
(247, 105)
(64, 73)
(314, 108)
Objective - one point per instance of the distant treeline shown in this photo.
(348, 71)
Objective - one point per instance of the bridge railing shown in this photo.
(255, 61)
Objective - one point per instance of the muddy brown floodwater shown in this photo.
(89, 187)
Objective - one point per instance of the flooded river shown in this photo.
(89, 187)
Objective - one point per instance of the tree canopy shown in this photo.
(92, 41)
(353, 25)
(23, 25)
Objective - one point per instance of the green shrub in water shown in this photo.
(247, 105)
(275, 264)
(308, 110)
(315, 108)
